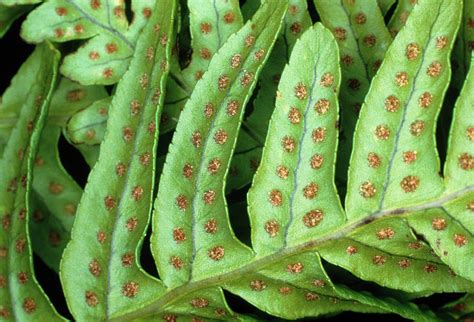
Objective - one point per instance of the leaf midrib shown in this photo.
(179, 292)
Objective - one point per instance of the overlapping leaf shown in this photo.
(8, 15)
(464, 45)
(191, 212)
(250, 142)
(107, 278)
(21, 298)
(363, 39)
(110, 44)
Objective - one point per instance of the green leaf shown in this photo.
(110, 44)
(363, 39)
(299, 151)
(400, 16)
(462, 308)
(195, 226)
(211, 24)
(88, 126)
(11, 3)
(107, 278)
(55, 193)
(23, 299)
(395, 161)
(385, 5)
(449, 228)
(8, 15)
(251, 139)
(464, 45)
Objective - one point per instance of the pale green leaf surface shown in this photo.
(104, 58)
(195, 198)
(395, 162)
(100, 270)
(290, 200)
(23, 299)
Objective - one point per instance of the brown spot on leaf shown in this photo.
(313, 218)
(351, 250)
(288, 143)
(310, 190)
(438, 223)
(410, 183)
(466, 161)
(210, 226)
(130, 289)
(275, 197)
(179, 235)
(258, 285)
(379, 260)
(300, 91)
(272, 227)
(434, 69)
(401, 79)
(412, 51)
(29, 305)
(94, 268)
(216, 253)
(367, 189)
(182, 202)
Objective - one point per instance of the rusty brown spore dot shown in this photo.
(385, 233)
(187, 171)
(288, 143)
(211, 226)
(316, 161)
(258, 285)
(439, 223)
(401, 79)
(94, 268)
(285, 290)
(282, 172)
(373, 160)
(409, 156)
(130, 289)
(272, 227)
(340, 33)
(434, 69)
(319, 134)
(182, 202)
(29, 305)
(382, 132)
(216, 253)
(322, 106)
(214, 166)
(199, 302)
(367, 189)
(294, 115)
(392, 103)
(379, 260)
(275, 197)
(412, 51)
(351, 250)
(22, 277)
(232, 107)
(220, 137)
(176, 262)
(209, 197)
(460, 240)
(326, 80)
(300, 91)
(101, 237)
(196, 139)
(310, 296)
(410, 183)
(131, 223)
(311, 190)
(223, 82)
(179, 235)
(235, 61)
(466, 161)
(127, 259)
(313, 218)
